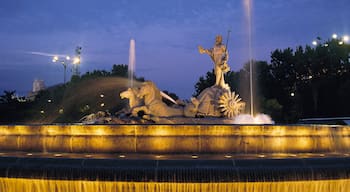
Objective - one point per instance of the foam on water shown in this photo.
(249, 119)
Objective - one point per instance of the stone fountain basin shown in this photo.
(176, 139)
(188, 153)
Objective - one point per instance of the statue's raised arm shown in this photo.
(202, 50)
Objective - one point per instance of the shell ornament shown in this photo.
(230, 104)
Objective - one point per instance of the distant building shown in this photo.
(38, 85)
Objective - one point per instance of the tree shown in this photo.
(9, 97)
(120, 70)
(309, 78)
(10, 108)
(263, 88)
(204, 82)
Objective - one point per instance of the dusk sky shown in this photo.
(166, 32)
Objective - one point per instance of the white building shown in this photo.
(38, 85)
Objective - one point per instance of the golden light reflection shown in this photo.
(302, 144)
(251, 130)
(23, 130)
(194, 156)
(31, 185)
(101, 144)
(99, 131)
(279, 144)
(278, 131)
(303, 132)
(157, 144)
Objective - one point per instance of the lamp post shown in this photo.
(77, 60)
(64, 63)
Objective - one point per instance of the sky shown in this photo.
(166, 32)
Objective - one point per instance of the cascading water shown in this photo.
(36, 185)
(132, 62)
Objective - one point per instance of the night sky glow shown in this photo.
(166, 32)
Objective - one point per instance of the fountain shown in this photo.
(132, 62)
(189, 147)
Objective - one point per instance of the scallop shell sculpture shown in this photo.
(230, 104)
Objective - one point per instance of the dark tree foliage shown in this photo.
(120, 70)
(8, 97)
(263, 86)
(312, 81)
(11, 108)
(204, 82)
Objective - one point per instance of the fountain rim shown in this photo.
(175, 124)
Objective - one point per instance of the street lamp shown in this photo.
(77, 61)
(65, 59)
(334, 36)
(64, 63)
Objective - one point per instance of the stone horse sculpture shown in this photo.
(131, 94)
(153, 104)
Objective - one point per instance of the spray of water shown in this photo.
(132, 62)
(248, 10)
(251, 118)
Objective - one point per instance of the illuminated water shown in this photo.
(34, 185)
